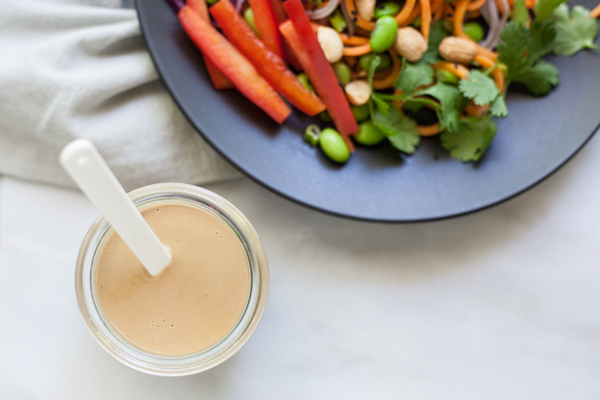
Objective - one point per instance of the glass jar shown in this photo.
(138, 358)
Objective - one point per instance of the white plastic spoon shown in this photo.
(89, 170)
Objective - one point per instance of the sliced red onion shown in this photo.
(239, 4)
(502, 24)
(496, 23)
(176, 5)
(489, 11)
(323, 12)
(349, 21)
(485, 12)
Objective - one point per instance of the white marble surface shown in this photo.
(501, 304)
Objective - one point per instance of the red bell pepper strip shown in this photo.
(233, 64)
(268, 64)
(278, 11)
(299, 34)
(290, 35)
(219, 80)
(280, 16)
(266, 25)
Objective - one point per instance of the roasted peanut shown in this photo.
(410, 44)
(358, 92)
(331, 43)
(366, 9)
(458, 50)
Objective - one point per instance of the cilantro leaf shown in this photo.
(382, 105)
(405, 142)
(575, 32)
(472, 140)
(520, 13)
(521, 49)
(540, 78)
(541, 40)
(514, 42)
(375, 61)
(482, 89)
(416, 103)
(414, 75)
(451, 104)
(400, 130)
(479, 87)
(543, 8)
(498, 107)
(437, 33)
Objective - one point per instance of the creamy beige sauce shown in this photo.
(194, 302)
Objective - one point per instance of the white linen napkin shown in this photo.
(80, 68)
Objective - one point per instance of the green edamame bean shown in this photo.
(333, 145)
(342, 71)
(303, 79)
(473, 30)
(249, 17)
(383, 34)
(388, 8)
(368, 134)
(361, 113)
(444, 76)
(210, 2)
(365, 61)
(337, 21)
(311, 134)
(385, 61)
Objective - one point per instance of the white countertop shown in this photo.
(501, 304)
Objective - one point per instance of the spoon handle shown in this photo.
(88, 169)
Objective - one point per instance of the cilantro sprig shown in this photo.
(544, 8)
(520, 13)
(482, 89)
(472, 140)
(575, 31)
(554, 30)
(418, 88)
(400, 130)
(521, 50)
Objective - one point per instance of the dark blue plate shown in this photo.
(378, 184)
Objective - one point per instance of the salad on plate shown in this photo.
(390, 71)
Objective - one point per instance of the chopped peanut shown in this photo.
(358, 92)
(331, 43)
